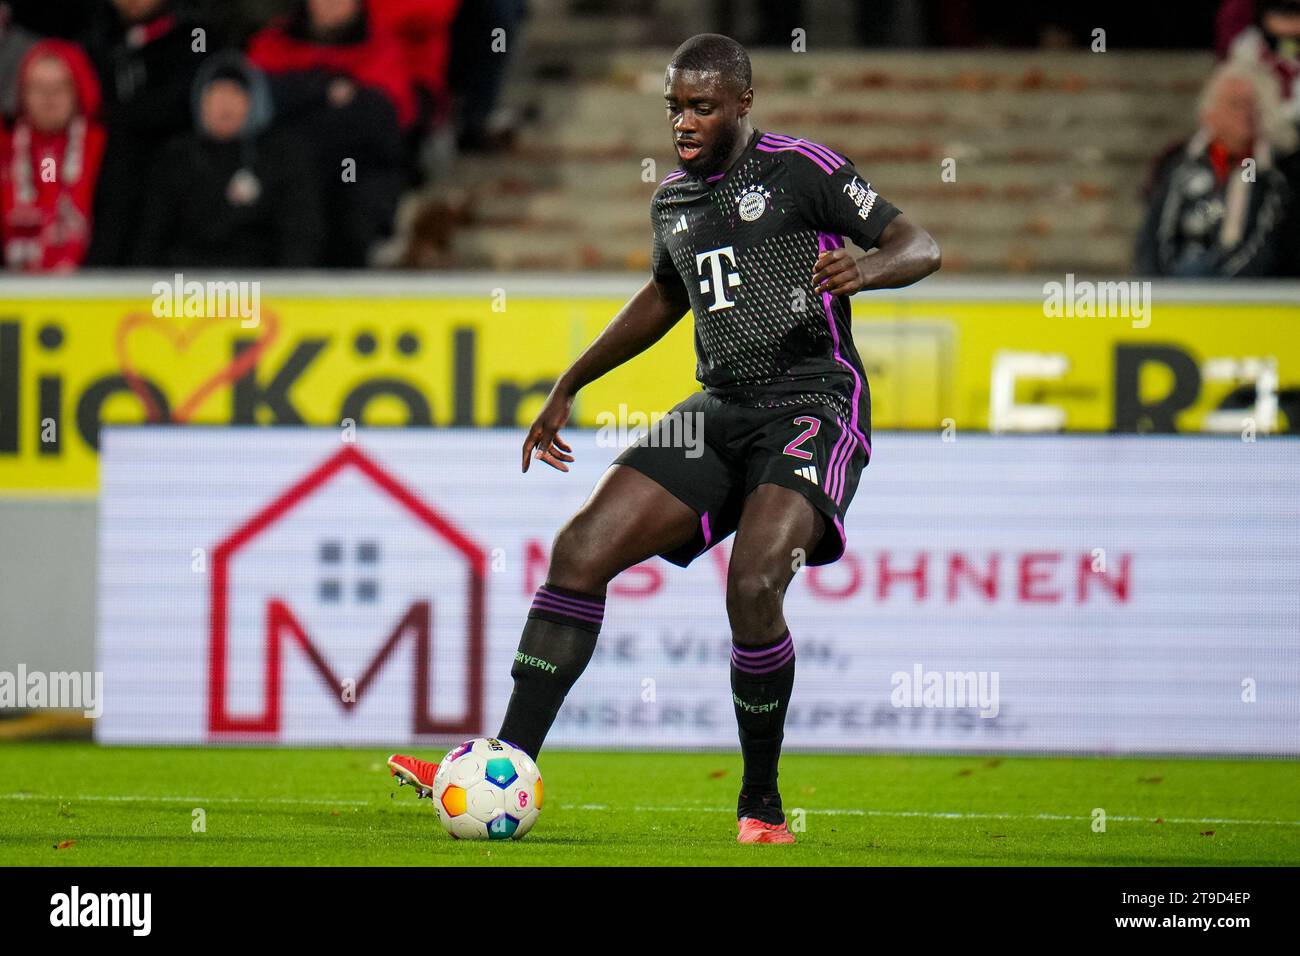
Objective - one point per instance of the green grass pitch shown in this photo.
(79, 804)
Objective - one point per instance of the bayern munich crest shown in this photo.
(753, 203)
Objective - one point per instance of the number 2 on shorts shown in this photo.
(811, 427)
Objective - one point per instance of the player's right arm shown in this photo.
(643, 321)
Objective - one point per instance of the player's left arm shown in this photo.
(837, 200)
(904, 253)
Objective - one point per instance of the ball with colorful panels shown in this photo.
(487, 789)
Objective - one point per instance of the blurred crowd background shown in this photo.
(435, 134)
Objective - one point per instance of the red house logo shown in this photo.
(283, 626)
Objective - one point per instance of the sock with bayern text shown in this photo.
(558, 641)
(762, 678)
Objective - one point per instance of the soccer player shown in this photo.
(748, 235)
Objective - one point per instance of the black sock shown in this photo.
(762, 678)
(558, 641)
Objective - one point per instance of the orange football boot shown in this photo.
(414, 771)
(756, 831)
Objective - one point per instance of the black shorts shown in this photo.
(714, 459)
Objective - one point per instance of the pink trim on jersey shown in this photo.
(825, 242)
(797, 149)
(824, 158)
(830, 154)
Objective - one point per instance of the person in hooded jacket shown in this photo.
(50, 160)
(232, 193)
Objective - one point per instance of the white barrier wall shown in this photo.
(1107, 593)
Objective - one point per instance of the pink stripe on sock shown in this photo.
(762, 651)
(541, 604)
(767, 667)
(592, 604)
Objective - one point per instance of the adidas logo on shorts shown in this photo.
(807, 471)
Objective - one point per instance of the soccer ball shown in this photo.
(487, 789)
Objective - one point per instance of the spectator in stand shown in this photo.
(146, 56)
(478, 69)
(14, 44)
(231, 194)
(342, 85)
(1273, 42)
(1225, 204)
(423, 29)
(50, 160)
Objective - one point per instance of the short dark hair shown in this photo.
(715, 53)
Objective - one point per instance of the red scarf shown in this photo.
(1223, 161)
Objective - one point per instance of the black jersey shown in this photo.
(744, 243)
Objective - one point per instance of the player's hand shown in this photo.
(543, 439)
(838, 272)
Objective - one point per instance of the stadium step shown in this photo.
(1051, 148)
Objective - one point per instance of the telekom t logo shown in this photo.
(712, 282)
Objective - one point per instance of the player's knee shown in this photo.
(753, 604)
(577, 558)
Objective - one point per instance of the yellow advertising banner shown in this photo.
(69, 365)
